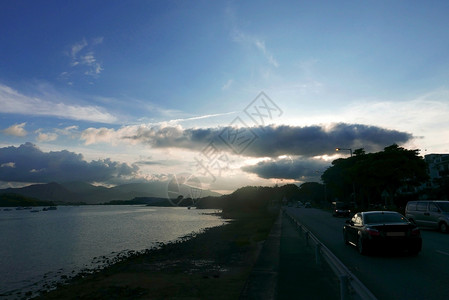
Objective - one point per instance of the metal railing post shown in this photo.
(350, 286)
(318, 254)
(344, 290)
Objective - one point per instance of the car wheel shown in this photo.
(443, 227)
(361, 246)
(414, 251)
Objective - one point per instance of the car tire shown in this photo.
(443, 227)
(361, 246)
(414, 251)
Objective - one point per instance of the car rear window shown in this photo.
(421, 206)
(384, 218)
(411, 206)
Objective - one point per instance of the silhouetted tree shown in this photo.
(369, 175)
(312, 192)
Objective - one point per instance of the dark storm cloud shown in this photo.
(310, 141)
(319, 140)
(289, 168)
(273, 141)
(27, 163)
(174, 137)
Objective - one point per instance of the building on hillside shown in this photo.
(437, 168)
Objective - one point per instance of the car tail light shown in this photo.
(372, 231)
(415, 232)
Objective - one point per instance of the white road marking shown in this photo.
(442, 252)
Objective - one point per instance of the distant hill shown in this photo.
(82, 192)
(8, 200)
(44, 192)
(150, 201)
(250, 199)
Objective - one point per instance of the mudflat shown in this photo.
(214, 264)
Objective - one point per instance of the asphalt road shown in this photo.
(387, 276)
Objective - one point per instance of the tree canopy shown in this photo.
(375, 178)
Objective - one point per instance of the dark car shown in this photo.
(382, 231)
(341, 209)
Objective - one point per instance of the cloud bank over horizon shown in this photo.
(287, 152)
(267, 141)
(296, 168)
(28, 164)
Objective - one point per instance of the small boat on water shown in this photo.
(50, 208)
(22, 208)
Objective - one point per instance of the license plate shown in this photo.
(395, 233)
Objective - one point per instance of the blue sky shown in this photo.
(141, 90)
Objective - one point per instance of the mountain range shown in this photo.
(83, 192)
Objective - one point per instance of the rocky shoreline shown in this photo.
(212, 264)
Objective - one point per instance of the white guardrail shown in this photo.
(351, 288)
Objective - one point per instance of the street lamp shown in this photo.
(348, 149)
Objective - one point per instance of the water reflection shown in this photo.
(41, 247)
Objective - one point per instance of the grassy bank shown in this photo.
(212, 265)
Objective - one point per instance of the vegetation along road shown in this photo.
(387, 276)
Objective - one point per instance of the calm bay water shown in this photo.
(41, 247)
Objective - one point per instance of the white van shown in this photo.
(430, 214)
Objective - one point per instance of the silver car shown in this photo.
(430, 214)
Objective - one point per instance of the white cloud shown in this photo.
(88, 59)
(227, 85)
(124, 134)
(8, 165)
(200, 117)
(76, 48)
(261, 46)
(83, 60)
(46, 137)
(100, 135)
(97, 40)
(425, 116)
(16, 129)
(98, 69)
(69, 130)
(12, 101)
(111, 136)
(246, 39)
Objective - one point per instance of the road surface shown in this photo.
(387, 276)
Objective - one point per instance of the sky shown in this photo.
(232, 93)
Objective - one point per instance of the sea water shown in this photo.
(39, 248)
